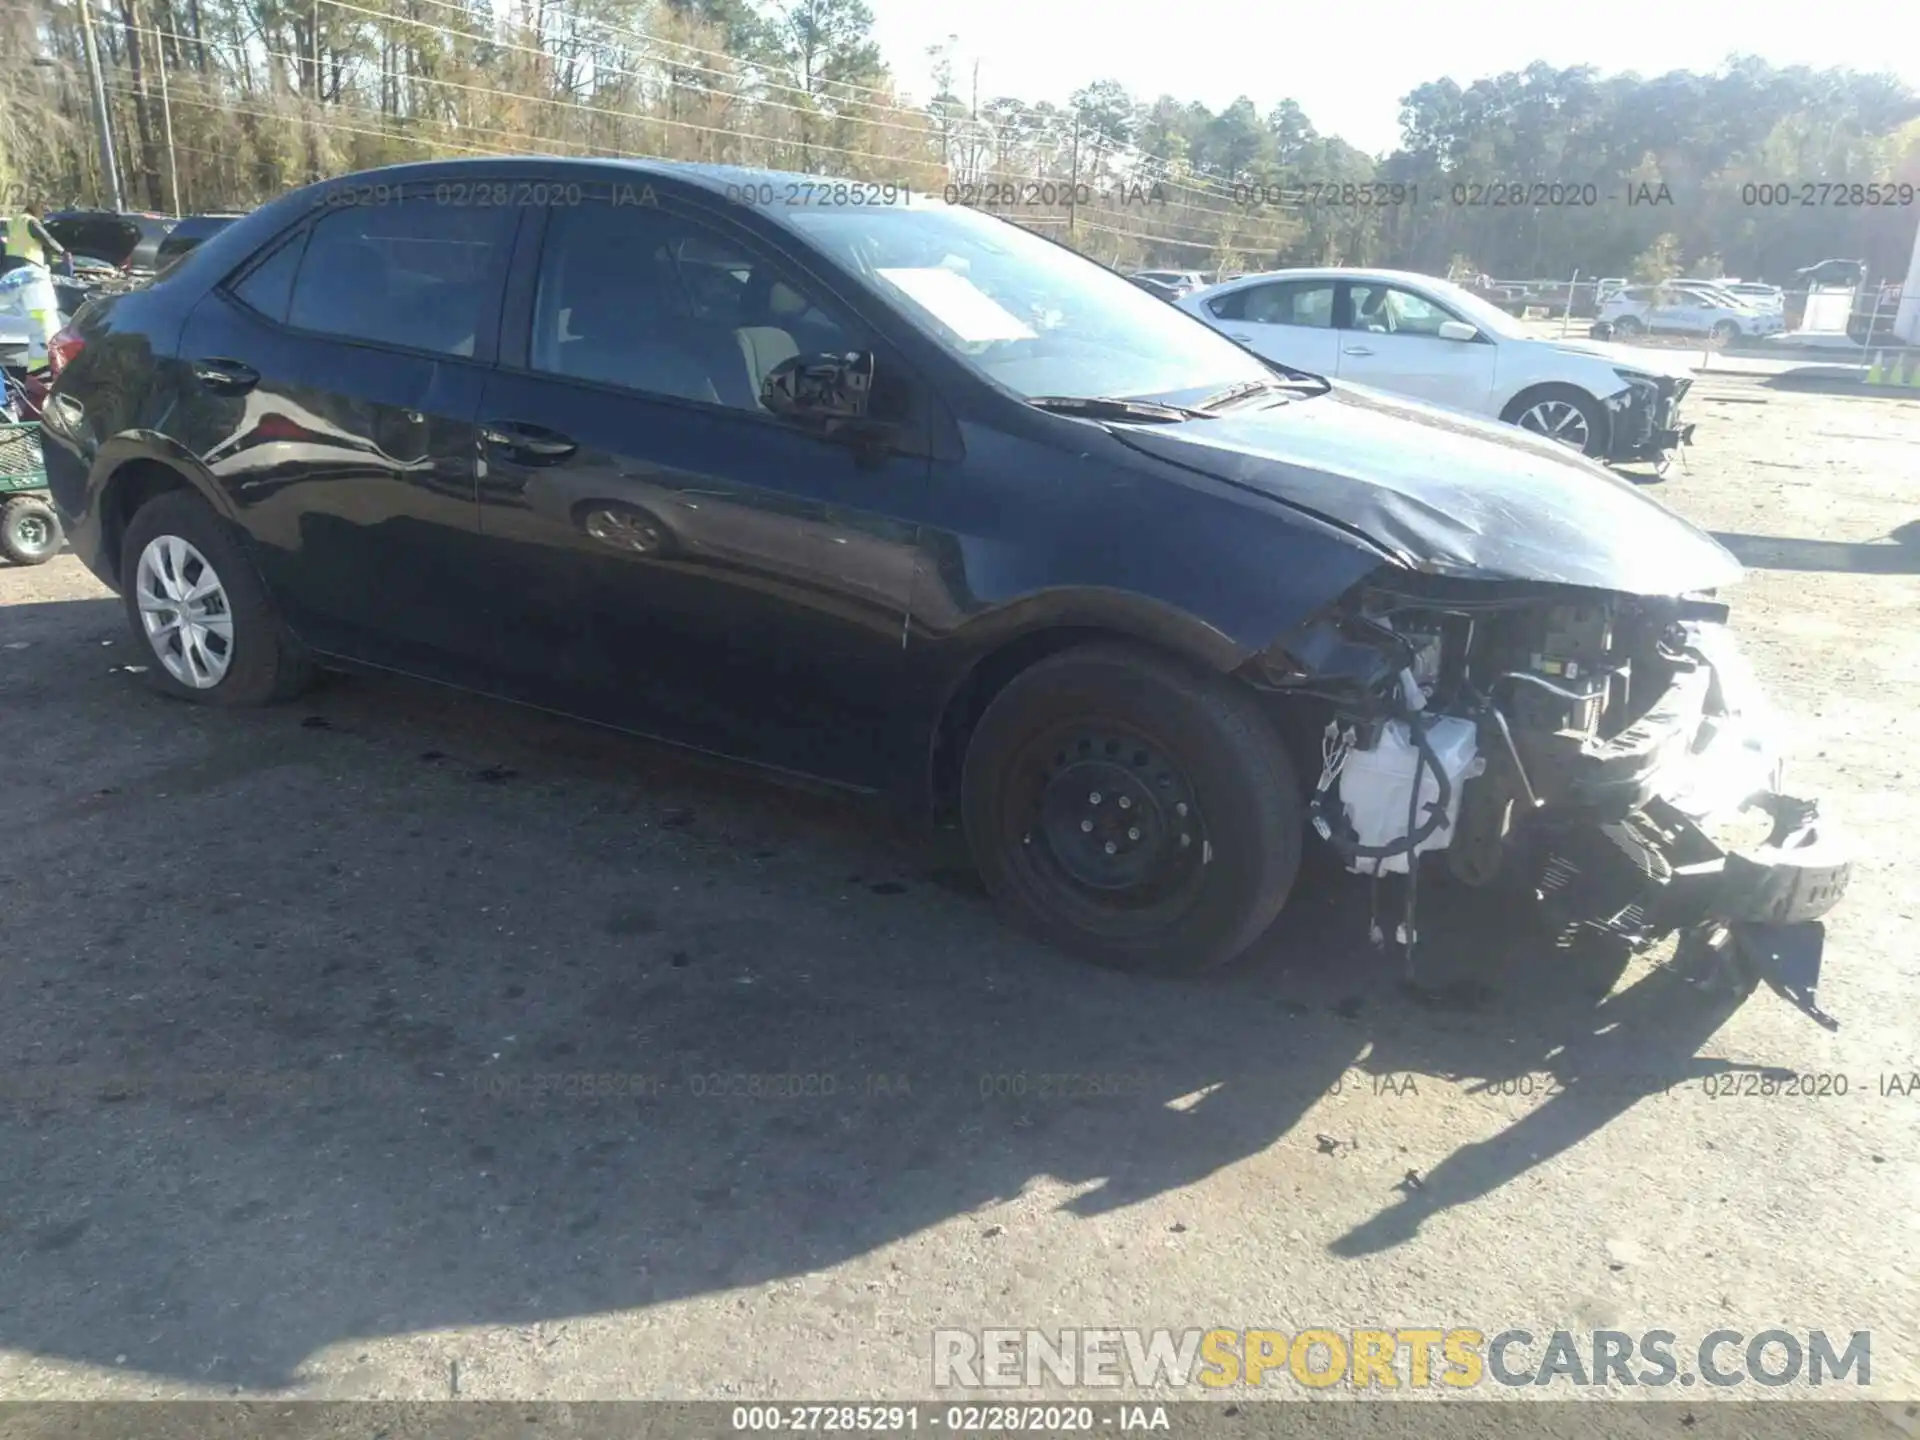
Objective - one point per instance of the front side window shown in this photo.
(1392, 310)
(646, 299)
(1022, 311)
(411, 273)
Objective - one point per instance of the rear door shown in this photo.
(666, 554)
(1391, 339)
(333, 388)
(1290, 321)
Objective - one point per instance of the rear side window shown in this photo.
(1285, 302)
(411, 273)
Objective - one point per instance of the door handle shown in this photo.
(225, 377)
(1356, 350)
(1240, 339)
(530, 443)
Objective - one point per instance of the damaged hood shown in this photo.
(1449, 494)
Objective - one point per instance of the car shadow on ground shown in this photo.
(1782, 552)
(396, 1011)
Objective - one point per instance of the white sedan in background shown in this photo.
(1430, 339)
(1688, 307)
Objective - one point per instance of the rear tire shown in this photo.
(199, 610)
(1081, 780)
(30, 531)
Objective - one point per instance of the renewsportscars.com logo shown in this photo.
(1406, 1358)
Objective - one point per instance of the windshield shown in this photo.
(1024, 312)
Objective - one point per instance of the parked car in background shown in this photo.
(1752, 292)
(1156, 287)
(1170, 284)
(1687, 307)
(127, 240)
(909, 499)
(1436, 341)
(188, 234)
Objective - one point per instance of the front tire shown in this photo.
(1561, 413)
(1724, 332)
(1132, 812)
(30, 531)
(1628, 325)
(200, 611)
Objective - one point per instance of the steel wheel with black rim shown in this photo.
(1131, 811)
(198, 606)
(30, 531)
(1562, 414)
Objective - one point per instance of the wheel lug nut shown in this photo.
(1094, 798)
(1185, 840)
(1111, 847)
(1181, 808)
(1086, 825)
(1126, 802)
(1133, 832)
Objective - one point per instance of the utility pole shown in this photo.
(166, 122)
(1073, 184)
(109, 171)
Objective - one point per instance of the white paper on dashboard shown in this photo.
(959, 304)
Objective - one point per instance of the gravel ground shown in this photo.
(293, 1005)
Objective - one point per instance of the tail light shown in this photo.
(62, 348)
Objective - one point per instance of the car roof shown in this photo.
(1339, 272)
(719, 179)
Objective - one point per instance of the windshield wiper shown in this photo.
(1245, 390)
(1288, 382)
(1110, 407)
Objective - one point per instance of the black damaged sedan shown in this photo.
(849, 483)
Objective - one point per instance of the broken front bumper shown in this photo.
(1707, 766)
(1645, 421)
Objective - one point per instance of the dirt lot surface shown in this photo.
(294, 1006)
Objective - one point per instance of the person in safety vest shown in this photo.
(28, 239)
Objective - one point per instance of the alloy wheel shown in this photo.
(184, 609)
(1560, 420)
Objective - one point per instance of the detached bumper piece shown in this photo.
(1646, 422)
(1756, 910)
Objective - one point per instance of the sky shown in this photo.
(1214, 53)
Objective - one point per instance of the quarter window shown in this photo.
(268, 286)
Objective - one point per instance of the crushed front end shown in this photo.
(1612, 752)
(1644, 418)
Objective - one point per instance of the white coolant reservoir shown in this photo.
(1375, 785)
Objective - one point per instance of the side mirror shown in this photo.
(1456, 330)
(820, 388)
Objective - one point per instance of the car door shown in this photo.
(331, 388)
(1677, 311)
(669, 555)
(1290, 321)
(1390, 338)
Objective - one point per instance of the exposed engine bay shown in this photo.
(1555, 734)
